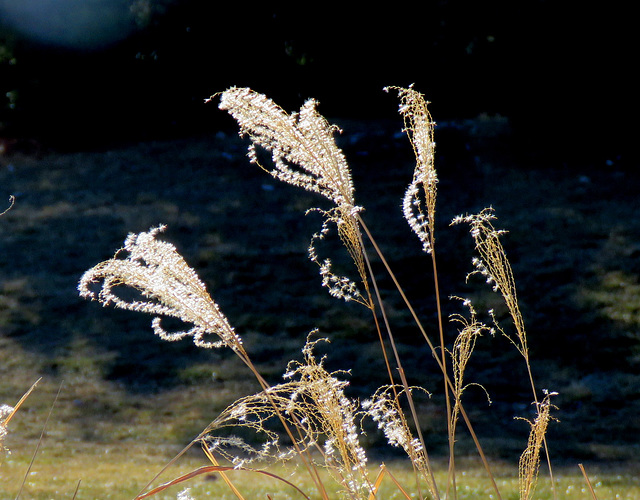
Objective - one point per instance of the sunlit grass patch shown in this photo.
(104, 470)
(121, 471)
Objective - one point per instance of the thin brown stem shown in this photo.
(403, 378)
(434, 353)
(586, 478)
(450, 431)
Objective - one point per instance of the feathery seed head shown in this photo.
(419, 209)
(302, 147)
(312, 401)
(386, 412)
(341, 287)
(494, 266)
(304, 154)
(471, 329)
(384, 408)
(167, 285)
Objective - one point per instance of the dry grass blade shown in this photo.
(586, 478)
(208, 469)
(40, 439)
(12, 412)
(75, 492)
(384, 471)
(6, 414)
(377, 482)
(224, 476)
(166, 466)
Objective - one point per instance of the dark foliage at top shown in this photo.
(552, 70)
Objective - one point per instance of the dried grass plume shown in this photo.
(304, 154)
(166, 286)
(420, 209)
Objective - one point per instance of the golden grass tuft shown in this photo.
(529, 463)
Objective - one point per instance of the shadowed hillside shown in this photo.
(572, 239)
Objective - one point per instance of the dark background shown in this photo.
(79, 74)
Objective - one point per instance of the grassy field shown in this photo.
(49, 480)
(128, 402)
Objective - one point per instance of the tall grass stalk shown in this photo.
(319, 420)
